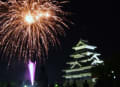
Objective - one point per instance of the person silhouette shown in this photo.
(8, 85)
(85, 84)
(74, 85)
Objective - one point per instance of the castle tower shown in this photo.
(82, 61)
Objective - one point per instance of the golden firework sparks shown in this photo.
(29, 18)
(27, 27)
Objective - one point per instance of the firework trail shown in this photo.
(28, 27)
(32, 67)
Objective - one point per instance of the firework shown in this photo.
(28, 27)
(31, 67)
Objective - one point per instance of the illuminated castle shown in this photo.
(82, 60)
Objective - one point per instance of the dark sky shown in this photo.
(93, 21)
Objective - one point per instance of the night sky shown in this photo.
(93, 21)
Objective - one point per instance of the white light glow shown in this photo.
(32, 18)
(47, 14)
(39, 16)
(29, 19)
(25, 85)
(114, 77)
(31, 67)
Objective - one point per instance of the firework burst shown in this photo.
(28, 27)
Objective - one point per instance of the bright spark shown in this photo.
(47, 15)
(40, 15)
(31, 67)
(29, 19)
